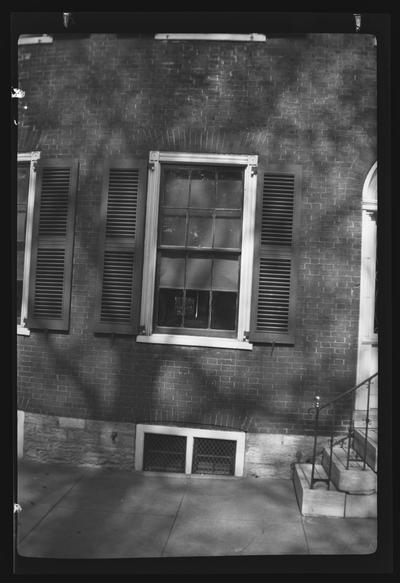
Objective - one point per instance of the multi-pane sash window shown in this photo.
(199, 249)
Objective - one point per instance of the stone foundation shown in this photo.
(105, 443)
(79, 441)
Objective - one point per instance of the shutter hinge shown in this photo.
(150, 166)
(254, 170)
(17, 508)
(142, 329)
(246, 335)
(34, 166)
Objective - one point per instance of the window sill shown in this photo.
(255, 37)
(22, 331)
(181, 340)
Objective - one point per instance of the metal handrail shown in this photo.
(317, 408)
(342, 395)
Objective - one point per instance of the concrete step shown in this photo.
(320, 501)
(372, 446)
(323, 502)
(354, 480)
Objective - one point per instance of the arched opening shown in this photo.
(367, 362)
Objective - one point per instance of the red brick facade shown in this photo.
(309, 101)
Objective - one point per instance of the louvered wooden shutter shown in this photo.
(274, 283)
(121, 247)
(52, 244)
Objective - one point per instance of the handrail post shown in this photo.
(349, 440)
(330, 458)
(350, 433)
(366, 425)
(316, 404)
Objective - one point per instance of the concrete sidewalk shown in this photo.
(80, 512)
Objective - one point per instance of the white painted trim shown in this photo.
(156, 158)
(23, 331)
(254, 37)
(31, 157)
(187, 340)
(34, 39)
(20, 433)
(246, 271)
(367, 339)
(190, 433)
(366, 192)
(150, 246)
(189, 453)
(192, 158)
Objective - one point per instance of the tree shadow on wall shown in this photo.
(144, 104)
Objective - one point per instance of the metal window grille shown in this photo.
(164, 453)
(214, 456)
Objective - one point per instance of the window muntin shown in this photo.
(199, 249)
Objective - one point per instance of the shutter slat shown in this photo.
(273, 301)
(117, 287)
(277, 209)
(274, 274)
(120, 255)
(52, 244)
(122, 202)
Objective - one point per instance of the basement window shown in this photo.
(162, 448)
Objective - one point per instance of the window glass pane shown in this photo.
(223, 312)
(230, 189)
(202, 188)
(20, 263)
(176, 187)
(228, 232)
(197, 307)
(200, 232)
(225, 274)
(170, 307)
(173, 230)
(23, 183)
(198, 273)
(19, 301)
(172, 271)
(21, 226)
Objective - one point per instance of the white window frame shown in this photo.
(249, 163)
(32, 158)
(368, 258)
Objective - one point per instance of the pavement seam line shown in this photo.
(50, 509)
(305, 534)
(174, 521)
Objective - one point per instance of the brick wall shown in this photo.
(308, 100)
